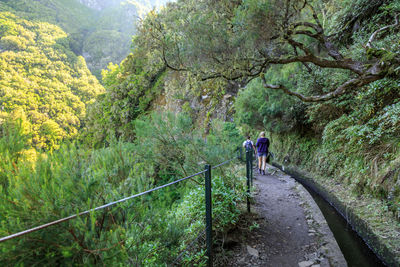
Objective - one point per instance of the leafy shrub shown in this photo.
(259, 107)
(142, 231)
(228, 192)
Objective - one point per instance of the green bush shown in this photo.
(150, 230)
(259, 107)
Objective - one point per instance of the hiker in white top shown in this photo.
(249, 145)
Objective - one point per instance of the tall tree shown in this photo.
(241, 40)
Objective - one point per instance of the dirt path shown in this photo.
(288, 228)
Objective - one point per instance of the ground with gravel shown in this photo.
(285, 228)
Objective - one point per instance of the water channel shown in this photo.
(354, 249)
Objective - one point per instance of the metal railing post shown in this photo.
(251, 168)
(248, 155)
(208, 214)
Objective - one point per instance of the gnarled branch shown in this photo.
(354, 66)
(318, 35)
(373, 36)
(169, 65)
(351, 84)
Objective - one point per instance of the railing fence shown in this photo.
(208, 203)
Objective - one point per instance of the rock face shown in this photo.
(201, 104)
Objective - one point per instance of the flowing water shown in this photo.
(354, 249)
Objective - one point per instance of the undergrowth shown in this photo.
(151, 230)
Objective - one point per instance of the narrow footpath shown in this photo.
(288, 229)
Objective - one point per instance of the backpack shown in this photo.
(248, 146)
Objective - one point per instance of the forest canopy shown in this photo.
(42, 82)
(101, 31)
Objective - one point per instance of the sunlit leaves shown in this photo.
(40, 75)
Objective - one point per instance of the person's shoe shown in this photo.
(263, 172)
(259, 170)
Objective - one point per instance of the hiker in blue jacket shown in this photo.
(262, 150)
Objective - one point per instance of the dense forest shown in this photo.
(320, 76)
(101, 31)
(43, 83)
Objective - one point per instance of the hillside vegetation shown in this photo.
(152, 230)
(320, 76)
(352, 137)
(326, 73)
(48, 169)
(43, 83)
(101, 31)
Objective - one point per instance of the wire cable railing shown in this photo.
(95, 209)
(207, 230)
(191, 244)
(223, 163)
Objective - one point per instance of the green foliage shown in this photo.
(259, 107)
(359, 147)
(69, 15)
(226, 196)
(365, 15)
(82, 25)
(150, 230)
(352, 139)
(110, 35)
(165, 140)
(373, 121)
(131, 89)
(75, 19)
(42, 77)
(14, 145)
(59, 185)
(101, 36)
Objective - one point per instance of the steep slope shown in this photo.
(42, 80)
(110, 38)
(99, 30)
(70, 15)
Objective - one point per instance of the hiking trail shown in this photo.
(288, 229)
